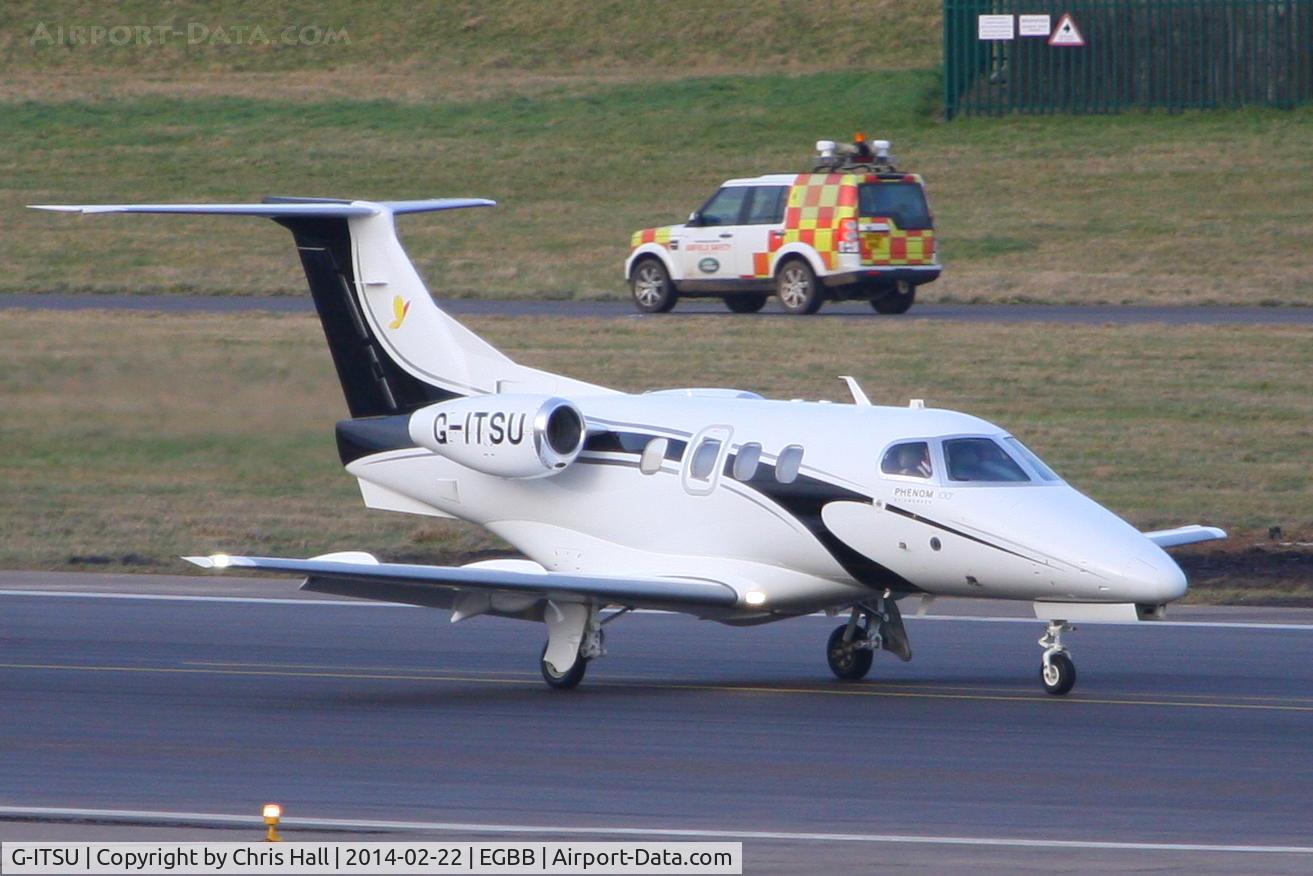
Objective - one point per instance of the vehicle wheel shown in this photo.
(1059, 675)
(797, 288)
(745, 303)
(653, 291)
(563, 681)
(897, 300)
(848, 662)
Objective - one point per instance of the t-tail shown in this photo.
(395, 350)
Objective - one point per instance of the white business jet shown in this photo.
(713, 502)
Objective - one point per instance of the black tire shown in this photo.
(745, 303)
(797, 288)
(651, 287)
(1059, 676)
(897, 300)
(847, 662)
(567, 681)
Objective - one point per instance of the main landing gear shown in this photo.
(574, 637)
(870, 628)
(1056, 672)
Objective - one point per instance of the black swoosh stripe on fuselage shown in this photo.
(803, 499)
(912, 515)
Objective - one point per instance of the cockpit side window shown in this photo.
(910, 459)
(980, 459)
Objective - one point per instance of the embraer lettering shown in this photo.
(481, 427)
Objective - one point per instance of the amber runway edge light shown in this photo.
(272, 813)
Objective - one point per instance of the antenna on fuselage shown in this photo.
(859, 397)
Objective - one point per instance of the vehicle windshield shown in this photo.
(902, 202)
(981, 460)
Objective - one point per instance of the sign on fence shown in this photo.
(1110, 55)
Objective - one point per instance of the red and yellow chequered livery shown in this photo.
(805, 237)
(650, 235)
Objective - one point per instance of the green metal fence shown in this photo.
(1176, 54)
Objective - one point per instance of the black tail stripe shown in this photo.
(374, 385)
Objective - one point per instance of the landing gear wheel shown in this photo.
(897, 300)
(745, 303)
(653, 291)
(848, 661)
(797, 288)
(1058, 675)
(567, 680)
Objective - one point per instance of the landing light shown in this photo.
(754, 597)
(223, 561)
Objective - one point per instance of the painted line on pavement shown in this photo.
(364, 603)
(310, 823)
(846, 691)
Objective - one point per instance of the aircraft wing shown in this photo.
(1166, 538)
(362, 576)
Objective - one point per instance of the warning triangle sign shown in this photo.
(1066, 34)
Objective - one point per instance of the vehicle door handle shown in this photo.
(726, 234)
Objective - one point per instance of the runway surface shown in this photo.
(703, 308)
(1178, 740)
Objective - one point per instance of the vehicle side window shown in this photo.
(746, 462)
(980, 459)
(788, 464)
(704, 459)
(767, 206)
(902, 202)
(725, 206)
(653, 454)
(911, 459)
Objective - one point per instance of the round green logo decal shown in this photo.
(708, 266)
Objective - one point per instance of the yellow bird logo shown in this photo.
(400, 307)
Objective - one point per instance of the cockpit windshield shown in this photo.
(1036, 464)
(981, 460)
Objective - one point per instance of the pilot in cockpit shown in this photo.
(914, 460)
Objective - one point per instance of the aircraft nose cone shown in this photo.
(1155, 578)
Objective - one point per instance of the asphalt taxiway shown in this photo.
(1185, 744)
(699, 308)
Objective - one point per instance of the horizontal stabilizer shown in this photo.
(1166, 538)
(278, 209)
(400, 582)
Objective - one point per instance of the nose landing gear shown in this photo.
(1057, 672)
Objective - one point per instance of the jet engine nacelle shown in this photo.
(511, 436)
